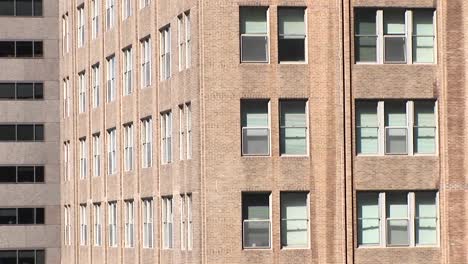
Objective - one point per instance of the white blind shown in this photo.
(397, 205)
(255, 114)
(395, 114)
(253, 20)
(291, 21)
(394, 21)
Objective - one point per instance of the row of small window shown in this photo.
(21, 49)
(255, 31)
(395, 35)
(397, 218)
(21, 8)
(21, 132)
(21, 174)
(21, 91)
(147, 223)
(146, 130)
(22, 256)
(255, 126)
(396, 127)
(22, 216)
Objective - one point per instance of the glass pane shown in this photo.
(366, 114)
(293, 113)
(291, 21)
(40, 215)
(291, 49)
(395, 49)
(294, 233)
(26, 216)
(254, 48)
(7, 7)
(254, 113)
(39, 130)
(368, 233)
(24, 91)
(367, 140)
(7, 132)
(26, 174)
(7, 91)
(395, 114)
(37, 7)
(7, 216)
(39, 174)
(257, 234)
(424, 113)
(397, 205)
(368, 205)
(24, 49)
(26, 257)
(424, 140)
(7, 48)
(395, 141)
(423, 22)
(8, 257)
(24, 8)
(25, 132)
(397, 232)
(38, 49)
(423, 49)
(365, 21)
(366, 49)
(294, 205)
(394, 21)
(253, 20)
(293, 141)
(256, 206)
(256, 141)
(426, 204)
(38, 91)
(7, 174)
(40, 257)
(426, 231)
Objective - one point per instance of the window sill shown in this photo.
(293, 63)
(294, 248)
(399, 247)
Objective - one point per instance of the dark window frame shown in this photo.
(35, 89)
(37, 170)
(35, 127)
(37, 9)
(35, 220)
(34, 44)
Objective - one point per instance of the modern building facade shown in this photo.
(266, 131)
(29, 126)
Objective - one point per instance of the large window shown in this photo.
(167, 222)
(291, 34)
(83, 225)
(293, 127)
(21, 91)
(256, 219)
(21, 8)
(111, 79)
(188, 127)
(110, 15)
(67, 225)
(255, 127)
(21, 49)
(83, 158)
(144, 3)
(166, 137)
(22, 256)
(183, 40)
(82, 92)
(183, 221)
(112, 151)
(96, 85)
(66, 97)
(21, 132)
(112, 217)
(146, 62)
(127, 71)
(21, 174)
(66, 160)
(65, 34)
(95, 6)
(128, 146)
(394, 35)
(254, 34)
(81, 26)
(22, 216)
(396, 127)
(147, 222)
(147, 142)
(294, 220)
(126, 9)
(189, 222)
(165, 51)
(97, 225)
(96, 154)
(397, 218)
(129, 224)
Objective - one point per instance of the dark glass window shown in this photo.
(38, 91)
(24, 8)
(39, 132)
(37, 7)
(26, 174)
(26, 256)
(25, 132)
(7, 48)
(7, 132)
(7, 216)
(24, 49)
(25, 216)
(40, 215)
(38, 49)
(39, 174)
(40, 257)
(7, 174)
(7, 90)
(24, 91)
(7, 7)
(8, 256)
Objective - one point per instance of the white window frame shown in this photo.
(147, 142)
(97, 155)
(188, 39)
(166, 137)
(97, 225)
(306, 45)
(96, 84)
(188, 126)
(244, 221)
(267, 35)
(81, 26)
(66, 160)
(144, 3)
(183, 219)
(308, 221)
(268, 101)
(83, 225)
(112, 151)
(82, 91)
(182, 140)
(168, 222)
(128, 146)
(127, 71)
(111, 85)
(110, 15)
(95, 4)
(83, 159)
(148, 222)
(165, 52)
(112, 211)
(189, 221)
(181, 41)
(67, 225)
(306, 127)
(409, 127)
(64, 34)
(129, 224)
(66, 97)
(126, 9)
(145, 45)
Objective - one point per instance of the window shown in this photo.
(183, 40)
(21, 174)
(394, 35)
(83, 225)
(110, 14)
(82, 91)
(294, 220)
(128, 146)
(21, 49)
(95, 4)
(256, 220)
(188, 40)
(111, 78)
(21, 91)
(127, 71)
(166, 137)
(21, 216)
(182, 222)
(165, 52)
(129, 224)
(65, 34)
(97, 155)
(66, 160)
(254, 34)
(21, 8)
(66, 98)
(168, 219)
(83, 158)
(112, 224)
(293, 127)
(111, 152)
(21, 132)
(397, 218)
(22, 256)
(81, 20)
(67, 225)
(146, 62)
(182, 141)
(126, 9)
(255, 127)
(96, 82)
(147, 142)
(396, 127)
(189, 222)
(144, 3)
(147, 223)
(97, 225)
(291, 34)
(188, 116)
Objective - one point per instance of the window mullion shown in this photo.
(410, 125)
(380, 40)
(383, 219)
(411, 215)
(381, 125)
(409, 36)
